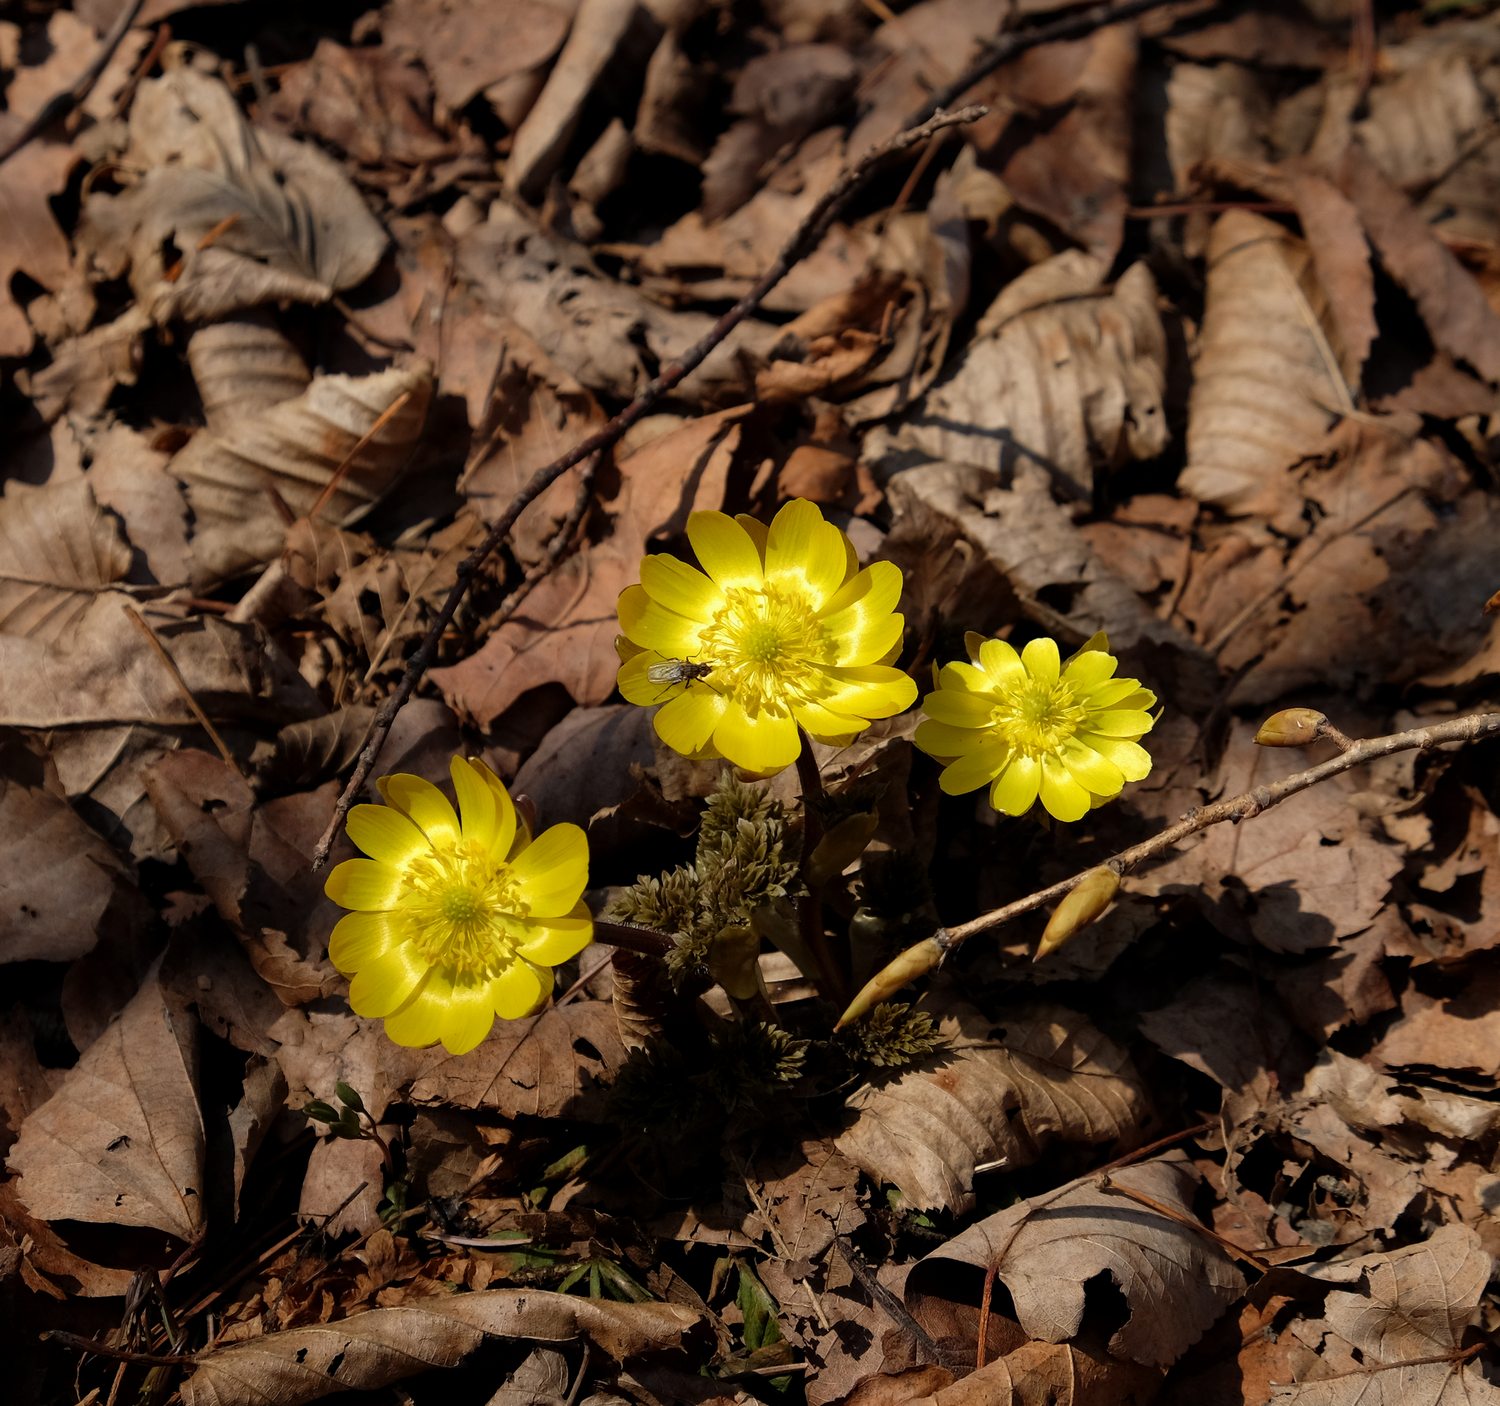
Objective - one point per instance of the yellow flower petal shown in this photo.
(425, 804)
(1041, 660)
(1091, 770)
(726, 551)
(1114, 692)
(686, 723)
(1121, 722)
(869, 691)
(943, 740)
(653, 626)
(365, 884)
(505, 810)
(420, 1021)
(476, 803)
(966, 678)
(1015, 789)
(1000, 662)
(806, 552)
(385, 834)
(959, 708)
(974, 769)
(680, 587)
(388, 981)
(763, 743)
(553, 870)
(1089, 669)
(360, 938)
(468, 1019)
(830, 728)
(634, 683)
(520, 990)
(1062, 796)
(757, 532)
(1133, 760)
(558, 940)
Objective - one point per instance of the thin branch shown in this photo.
(118, 1354)
(1242, 807)
(557, 548)
(806, 238)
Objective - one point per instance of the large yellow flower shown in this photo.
(1027, 725)
(780, 628)
(455, 924)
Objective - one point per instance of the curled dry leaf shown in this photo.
(243, 365)
(58, 552)
(234, 475)
(370, 1350)
(59, 875)
(255, 217)
(1267, 381)
(995, 1094)
(1046, 1250)
(121, 1141)
(33, 246)
(1063, 371)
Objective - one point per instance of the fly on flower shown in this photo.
(1032, 726)
(798, 635)
(455, 922)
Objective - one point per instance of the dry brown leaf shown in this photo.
(60, 876)
(1042, 1374)
(1396, 1334)
(294, 449)
(255, 217)
(1175, 1282)
(1267, 380)
(369, 1350)
(85, 370)
(583, 766)
(1213, 112)
(33, 246)
(58, 552)
(1062, 371)
(242, 366)
(996, 1094)
(130, 478)
(121, 1141)
(804, 1196)
(1453, 1031)
(552, 1065)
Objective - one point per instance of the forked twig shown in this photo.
(806, 238)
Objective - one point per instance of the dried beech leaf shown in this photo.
(58, 551)
(121, 1141)
(255, 217)
(33, 244)
(1175, 1282)
(1062, 371)
(552, 1065)
(59, 875)
(295, 448)
(244, 365)
(994, 1094)
(1267, 383)
(369, 1350)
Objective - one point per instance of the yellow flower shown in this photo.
(455, 924)
(1026, 725)
(781, 627)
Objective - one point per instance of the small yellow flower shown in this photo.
(1027, 725)
(455, 924)
(785, 628)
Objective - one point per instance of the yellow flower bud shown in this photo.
(1081, 905)
(916, 961)
(1291, 727)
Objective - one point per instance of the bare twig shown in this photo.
(59, 105)
(564, 538)
(1242, 807)
(139, 621)
(803, 241)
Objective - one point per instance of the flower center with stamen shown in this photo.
(465, 909)
(1037, 718)
(768, 649)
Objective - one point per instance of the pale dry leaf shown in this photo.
(34, 245)
(593, 45)
(1219, 111)
(1046, 1250)
(1451, 1032)
(805, 1196)
(1267, 382)
(58, 552)
(85, 370)
(1044, 1374)
(260, 1106)
(1063, 371)
(121, 1141)
(255, 217)
(996, 1093)
(369, 1350)
(130, 478)
(552, 1065)
(1403, 1314)
(244, 365)
(295, 448)
(59, 875)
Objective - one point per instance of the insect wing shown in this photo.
(668, 671)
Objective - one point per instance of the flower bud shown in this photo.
(1083, 904)
(734, 960)
(1291, 727)
(916, 961)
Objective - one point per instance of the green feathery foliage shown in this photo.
(890, 1037)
